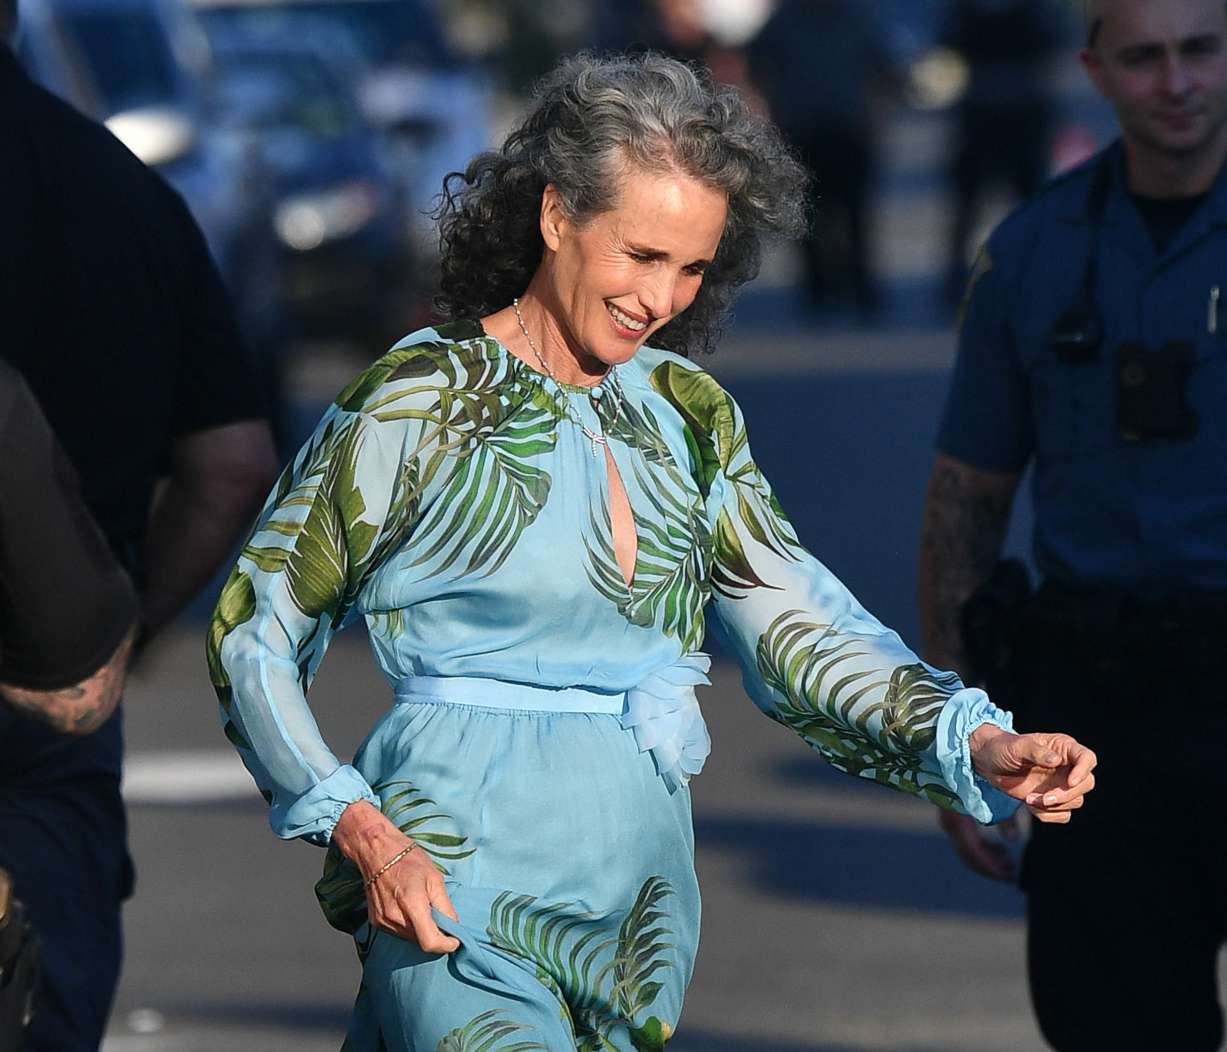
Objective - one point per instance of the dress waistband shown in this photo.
(499, 694)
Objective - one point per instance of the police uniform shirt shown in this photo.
(1108, 511)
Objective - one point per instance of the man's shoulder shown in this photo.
(93, 162)
(1061, 199)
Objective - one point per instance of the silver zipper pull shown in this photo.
(1212, 310)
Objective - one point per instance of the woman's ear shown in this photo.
(553, 218)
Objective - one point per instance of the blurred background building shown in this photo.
(310, 138)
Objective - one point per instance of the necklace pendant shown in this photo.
(594, 438)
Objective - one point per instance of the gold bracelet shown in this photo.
(390, 863)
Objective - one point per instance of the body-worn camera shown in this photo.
(1152, 391)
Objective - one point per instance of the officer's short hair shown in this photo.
(1094, 21)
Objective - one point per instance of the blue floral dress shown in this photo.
(545, 720)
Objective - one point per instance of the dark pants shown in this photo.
(66, 849)
(838, 246)
(1126, 907)
(993, 143)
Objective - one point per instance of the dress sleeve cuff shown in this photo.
(313, 815)
(961, 715)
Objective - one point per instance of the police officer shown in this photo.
(1094, 350)
(114, 313)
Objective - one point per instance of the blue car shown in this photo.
(345, 261)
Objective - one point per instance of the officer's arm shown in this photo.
(66, 607)
(80, 708)
(966, 514)
(219, 477)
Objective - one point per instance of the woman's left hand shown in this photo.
(1050, 773)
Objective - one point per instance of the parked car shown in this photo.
(433, 107)
(345, 259)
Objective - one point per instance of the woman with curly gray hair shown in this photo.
(532, 505)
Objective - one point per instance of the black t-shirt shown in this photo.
(65, 603)
(1164, 216)
(114, 312)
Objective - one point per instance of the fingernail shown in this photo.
(1050, 799)
(1052, 759)
(1033, 798)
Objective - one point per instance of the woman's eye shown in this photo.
(641, 257)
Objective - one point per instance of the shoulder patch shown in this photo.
(983, 264)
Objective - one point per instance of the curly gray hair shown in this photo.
(593, 116)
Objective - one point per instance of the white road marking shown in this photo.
(194, 776)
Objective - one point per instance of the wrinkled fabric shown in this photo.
(547, 720)
(664, 715)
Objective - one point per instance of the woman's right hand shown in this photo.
(400, 899)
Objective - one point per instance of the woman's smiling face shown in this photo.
(623, 274)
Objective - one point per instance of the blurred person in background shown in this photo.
(1094, 351)
(827, 77)
(1003, 122)
(67, 621)
(677, 28)
(531, 505)
(115, 315)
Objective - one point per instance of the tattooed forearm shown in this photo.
(81, 708)
(966, 515)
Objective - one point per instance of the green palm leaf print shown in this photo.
(719, 444)
(295, 493)
(708, 414)
(236, 605)
(671, 579)
(732, 573)
(761, 513)
(671, 567)
(488, 1032)
(824, 693)
(340, 891)
(642, 939)
(567, 946)
(638, 428)
(602, 567)
(490, 431)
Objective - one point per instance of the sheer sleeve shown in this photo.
(347, 501)
(812, 657)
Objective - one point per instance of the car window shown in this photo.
(298, 90)
(384, 31)
(130, 57)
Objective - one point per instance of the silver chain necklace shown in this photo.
(595, 437)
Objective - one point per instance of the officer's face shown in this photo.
(1163, 66)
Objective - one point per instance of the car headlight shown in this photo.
(306, 221)
(156, 134)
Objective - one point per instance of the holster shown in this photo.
(19, 967)
(1137, 653)
(988, 622)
